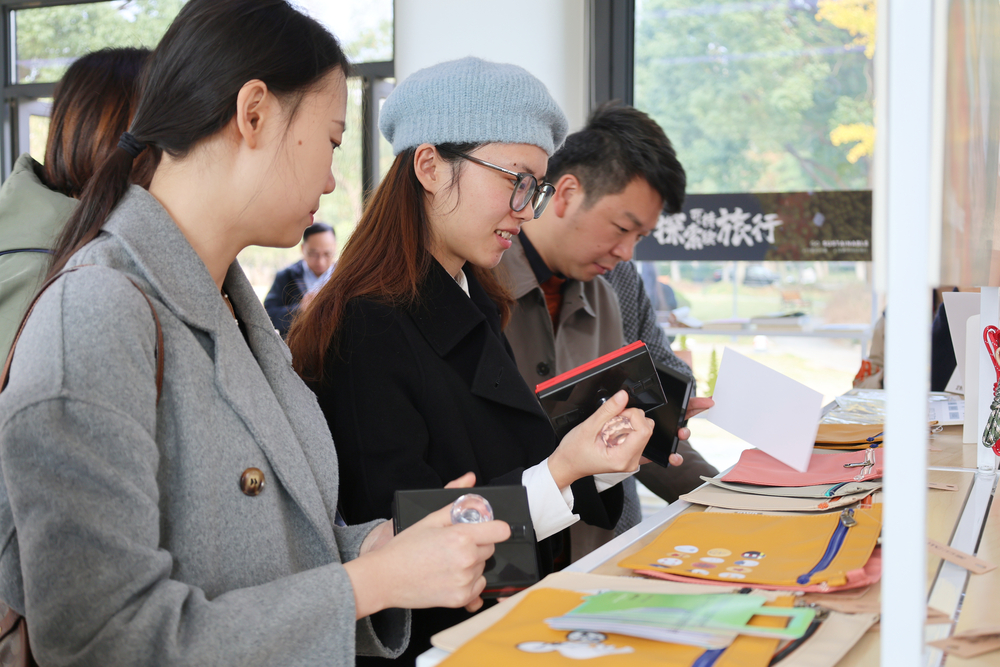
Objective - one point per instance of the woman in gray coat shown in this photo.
(194, 523)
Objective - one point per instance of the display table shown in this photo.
(860, 332)
(957, 518)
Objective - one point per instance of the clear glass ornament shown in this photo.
(615, 431)
(471, 508)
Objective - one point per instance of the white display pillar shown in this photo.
(907, 137)
(549, 39)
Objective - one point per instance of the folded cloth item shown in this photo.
(817, 491)
(757, 467)
(798, 551)
(714, 496)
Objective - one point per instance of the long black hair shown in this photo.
(190, 86)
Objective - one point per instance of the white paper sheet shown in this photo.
(767, 409)
(959, 306)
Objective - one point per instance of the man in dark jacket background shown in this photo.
(295, 285)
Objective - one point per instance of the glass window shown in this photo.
(385, 155)
(37, 114)
(763, 97)
(342, 208)
(760, 96)
(364, 27)
(48, 39)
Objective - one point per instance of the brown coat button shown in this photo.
(252, 481)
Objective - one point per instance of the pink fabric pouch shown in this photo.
(756, 467)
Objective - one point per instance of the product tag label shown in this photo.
(971, 643)
(943, 487)
(960, 558)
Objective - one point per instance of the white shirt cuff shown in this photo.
(606, 480)
(551, 508)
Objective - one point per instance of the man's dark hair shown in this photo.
(618, 144)
(317, 228)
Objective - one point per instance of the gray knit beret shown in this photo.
(472, 101)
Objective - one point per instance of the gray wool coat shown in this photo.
(125, 537)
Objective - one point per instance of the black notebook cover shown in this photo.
(662, 394)
(514, 565)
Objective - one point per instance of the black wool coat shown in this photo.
(418, 396)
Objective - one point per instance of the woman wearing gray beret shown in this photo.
(404, 346)
(186, 515)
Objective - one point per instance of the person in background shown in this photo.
(612, 180)
(639, 323)
(295, 286)
(660, 293)
(192, 521)
(91, 107)
(404, 346)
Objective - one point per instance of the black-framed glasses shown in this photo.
(526, 188)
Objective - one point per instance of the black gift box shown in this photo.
(661, 393)
(514, 565)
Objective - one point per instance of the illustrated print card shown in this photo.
(523, 638)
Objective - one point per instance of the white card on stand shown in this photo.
(959, 307)
(769, 410)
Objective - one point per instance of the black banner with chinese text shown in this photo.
(772, 226)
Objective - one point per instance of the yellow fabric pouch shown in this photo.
(522, 638)
(848, 436)
(793, 551)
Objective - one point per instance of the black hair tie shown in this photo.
(131, 145)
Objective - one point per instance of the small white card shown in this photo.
(959, 307)
(769, 410)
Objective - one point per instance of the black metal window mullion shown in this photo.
(612, 49)
(371, 73)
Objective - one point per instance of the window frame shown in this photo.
(612, 51)
(372, 75)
